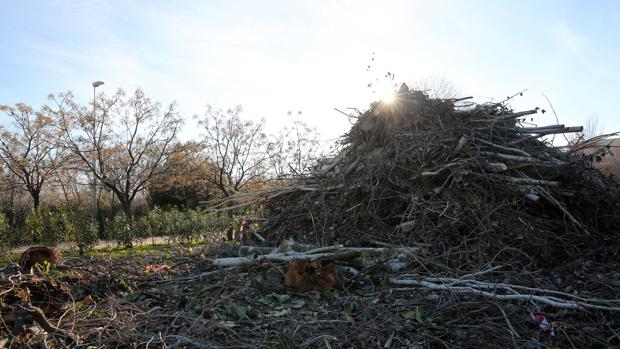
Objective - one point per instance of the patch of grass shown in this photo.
(113, 252)
(120, 252)
(9, 256)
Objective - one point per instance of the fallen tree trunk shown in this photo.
(327, 252)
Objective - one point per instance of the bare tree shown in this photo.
(29, 150)
(436, 87)
(68, 179)
(294, 149)
(593, 128)
(236, 147)
(123, 144)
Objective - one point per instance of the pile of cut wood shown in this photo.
(475, 183)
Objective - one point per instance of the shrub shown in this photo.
(155, 219)
(216, 226)
(43, 225)
(5, 234)
(79, 228)
(119, 228)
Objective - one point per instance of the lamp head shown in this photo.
(97, 83)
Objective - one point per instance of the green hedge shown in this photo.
(5, 231)
(50, 226)
(179, 226)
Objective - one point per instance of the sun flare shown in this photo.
(387, 97)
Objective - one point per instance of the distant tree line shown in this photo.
(125, 149)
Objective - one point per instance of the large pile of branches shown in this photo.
(476, 183)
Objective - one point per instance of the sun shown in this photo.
(387, 95)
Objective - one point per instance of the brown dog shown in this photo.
(305, 275)
(38, 255)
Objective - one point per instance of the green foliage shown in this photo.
(5, 234)
(74, 224)
(184, 226)
(50, 226)
(79, 227)
(287, 341)
(111, 252)
(45, 269)
(154, 222)
(120, 229)
(417, 315)
(44, 225)
(240, 312)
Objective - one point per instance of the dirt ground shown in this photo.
(189, 299)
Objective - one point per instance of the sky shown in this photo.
(272, 57)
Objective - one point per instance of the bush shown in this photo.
(173, 225)
(119, 229)
(178, 226)
(216, 227)
(155, 223)
(79, 228)
(45, 226)
(5, 234)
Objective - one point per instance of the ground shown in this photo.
(174, 297)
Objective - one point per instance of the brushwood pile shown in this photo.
(474, 182)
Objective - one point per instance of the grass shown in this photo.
(10, 256)
(113, 252)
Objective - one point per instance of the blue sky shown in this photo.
(276, 56)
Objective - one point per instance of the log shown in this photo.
(336, 253)
(328, 167)
(508, 116)
(434, 173)
(542, 128)
(497, 166)
(282, 257)
(460, 144)
(504, 148)
(38, 255)
(571, 129)
(528, 159)
(28, 312)
(480, 289)
(532, 197)
(527, 181)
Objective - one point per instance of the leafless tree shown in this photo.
(29, 150)
(294, 149)
(236, 147)
(436, 87)
(592, 127)
(123, 143)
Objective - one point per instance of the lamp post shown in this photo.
(93, 184)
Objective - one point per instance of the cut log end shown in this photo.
(38, 255)
(306, 275)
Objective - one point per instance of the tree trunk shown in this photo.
(230, 233)
(128, 243)
(35, 199)
(127, 209)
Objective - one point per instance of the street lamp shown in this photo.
(94, 182)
